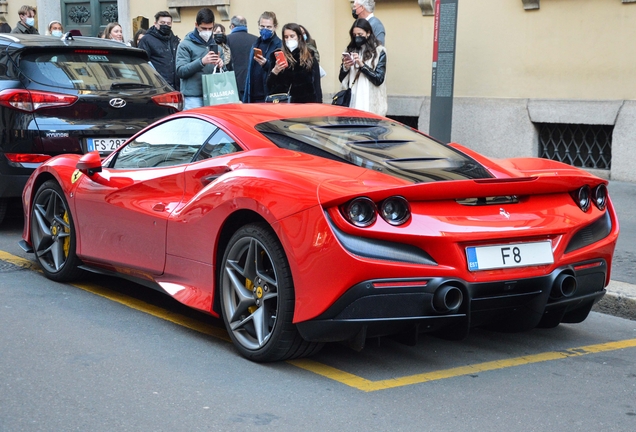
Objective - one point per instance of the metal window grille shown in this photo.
(580, 145)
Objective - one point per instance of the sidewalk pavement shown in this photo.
(619, 301)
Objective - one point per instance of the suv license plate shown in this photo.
(104, 145)
(509, 255)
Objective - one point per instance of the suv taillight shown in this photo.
(31, 101)
(172, 100)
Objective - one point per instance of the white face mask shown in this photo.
(205, 35)
(56, 33)
(292, 44)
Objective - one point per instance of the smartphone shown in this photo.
(213, 48)
(347, 56)
(280, 58)
(258, 52)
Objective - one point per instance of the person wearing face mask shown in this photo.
(363, 69)
(300, 74)
(161, 45)
(221, 40)
(364, 9)
(55, 29)
(198, 54)
(260, 64)
(26, 25)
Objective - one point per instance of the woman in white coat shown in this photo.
(363, 69)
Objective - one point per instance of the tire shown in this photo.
(257, 297)
(53, 234)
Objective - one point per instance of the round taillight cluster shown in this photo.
(362, 211)
(584, 197)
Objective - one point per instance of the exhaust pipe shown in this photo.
(564, 286)
(447, 298)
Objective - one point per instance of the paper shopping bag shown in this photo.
(219, 88)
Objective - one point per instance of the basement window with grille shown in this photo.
(580, 145)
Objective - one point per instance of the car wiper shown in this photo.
(117, 85)
(379, 141)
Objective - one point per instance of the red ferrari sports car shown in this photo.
(300, 225)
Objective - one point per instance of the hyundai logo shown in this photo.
(117, 103)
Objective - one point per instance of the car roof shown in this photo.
(254, 113)
(17, 41)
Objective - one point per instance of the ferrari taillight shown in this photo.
(31, 101)
(172, 100)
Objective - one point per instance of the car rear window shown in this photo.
(381, 145)
(90, 70)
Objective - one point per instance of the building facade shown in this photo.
(547, 78)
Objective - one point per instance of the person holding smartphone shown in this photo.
(296, 70)
(259, 66)
(197, 54)
(363, 69)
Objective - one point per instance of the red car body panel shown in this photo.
(165, 224)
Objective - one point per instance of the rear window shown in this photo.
(380, 145)
(90, 70)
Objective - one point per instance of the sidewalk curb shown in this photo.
(620, 301)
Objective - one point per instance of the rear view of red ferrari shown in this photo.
(301, 225)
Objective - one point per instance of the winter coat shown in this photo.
(189, 66)
(22, 28)
(368, 90)
(256, 79)
(302, 84)
(162, 52)
(241, 42)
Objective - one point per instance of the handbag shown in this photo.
(343, 97)
(219, 88)
(279, 97)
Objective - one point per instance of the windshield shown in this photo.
(380, 145)
(90, 70)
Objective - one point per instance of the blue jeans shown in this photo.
(190, 102)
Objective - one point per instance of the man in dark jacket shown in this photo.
(161, 45)
(240, 43)
(26, 25)
(259, 66)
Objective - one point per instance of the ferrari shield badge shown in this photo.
(76, 175)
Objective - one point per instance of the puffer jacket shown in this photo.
(162, 52)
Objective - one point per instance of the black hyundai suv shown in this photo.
(71, 95)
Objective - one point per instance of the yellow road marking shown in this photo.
(332, 373)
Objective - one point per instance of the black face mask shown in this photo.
(359, 41)
(164, 29)
(220, 38)
(354, 14)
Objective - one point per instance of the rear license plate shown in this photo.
(104, 145)
(509, 255)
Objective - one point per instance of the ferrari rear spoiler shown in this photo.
(339, 191)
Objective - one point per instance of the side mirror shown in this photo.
(90, 163)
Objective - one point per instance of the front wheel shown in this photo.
(257, 297)
(53, 234)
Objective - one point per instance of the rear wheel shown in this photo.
(52, 234)
(257, 297)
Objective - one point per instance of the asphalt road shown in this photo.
(105, 355)
(623, 196)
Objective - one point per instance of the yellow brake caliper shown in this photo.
(250, 286)
(66, 243)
